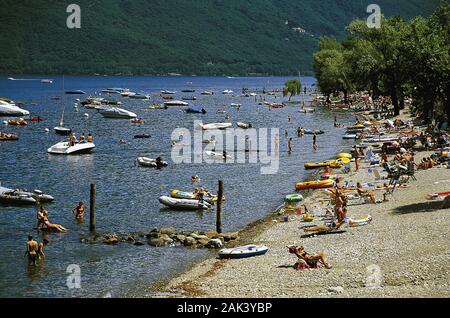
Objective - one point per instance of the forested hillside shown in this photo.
(231, 37)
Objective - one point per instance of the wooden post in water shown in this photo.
(92, 208)
(219, 208)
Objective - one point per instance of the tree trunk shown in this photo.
(394, 98)
(402, 100)
(328, 98)
(345, 97)
(447, 105)
(290, 96)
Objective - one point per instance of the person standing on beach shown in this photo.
(32, 250)
(315, 141)
(357, 163)
(286, 133)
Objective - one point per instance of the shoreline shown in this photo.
(353, 254)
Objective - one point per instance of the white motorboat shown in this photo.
(168, 92)
(227, 92)
(47, 81)
(149, 162)
(116, 112)
(243, 251)
(176, 103)
(216, 126)
(11, 110)
(115, 90)
(185, 204)
(244, 125)
(64, 148)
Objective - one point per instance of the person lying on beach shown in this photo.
(52, 226)
(310, 260)
(365, 193)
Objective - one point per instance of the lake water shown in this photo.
(127, 195)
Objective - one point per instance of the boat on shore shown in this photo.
(243, 251)
(311, 185)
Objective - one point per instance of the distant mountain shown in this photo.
(235, 37)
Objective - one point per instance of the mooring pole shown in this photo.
(219, 208)
(92, 208)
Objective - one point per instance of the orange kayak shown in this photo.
(318, 184)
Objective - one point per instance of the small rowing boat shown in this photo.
(243, 251)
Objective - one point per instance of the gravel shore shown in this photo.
(403, 252)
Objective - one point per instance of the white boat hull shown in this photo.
(186, 204)
(115, 112)
(64, 148)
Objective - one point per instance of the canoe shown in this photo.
(149, 162)
(293, 198)
(360, 222)
(343, 155)
(185, 204)
(243, 251)
(318, 184)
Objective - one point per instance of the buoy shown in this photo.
(5, 122)
(86, 115)
(47, 130)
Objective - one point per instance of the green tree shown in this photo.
(292, 87)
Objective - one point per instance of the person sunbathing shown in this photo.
(365, 193)
(310, 260)
(52, 226)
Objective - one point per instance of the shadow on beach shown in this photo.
(418, 207)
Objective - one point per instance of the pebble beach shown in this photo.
(403, 252)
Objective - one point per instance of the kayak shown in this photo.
(243, 251)
(186, 204)
(293, 198)
(328, 176)
(360, 222)
(318, 184)
(149, 162)
(358, 126)
(343, 155)
(330, 163)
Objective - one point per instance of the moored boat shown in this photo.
(216, 126)
(184, 204)
(116, 112)
(65, 148)
(150, 163)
